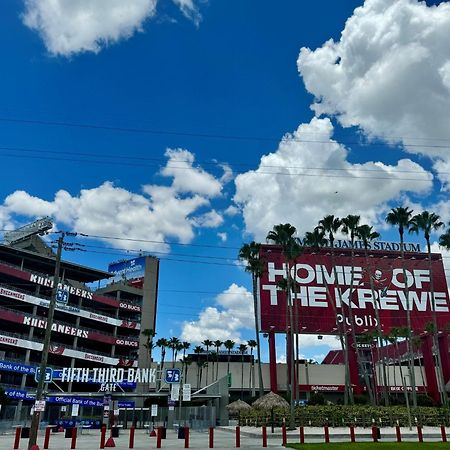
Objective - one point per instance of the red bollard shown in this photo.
(186, 437)
(103, 436)
(264, 436)
(374, 433)
(352, 434)
(47, 437)
(17, 438)
(398, 433)
(158, 437)
(238, 436)
(211, 437)
(443, 433)
(302, 435)
(131, 445)
(284, 434)
(73, 444)
(419, 433)
(326, 433)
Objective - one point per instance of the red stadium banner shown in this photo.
(318, 287)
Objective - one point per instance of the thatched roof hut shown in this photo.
(238, 406)
(270, 401)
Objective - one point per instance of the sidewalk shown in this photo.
(224, 438)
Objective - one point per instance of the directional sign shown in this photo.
(62, 295)
(154, 412)
(172, 376)
(48, 375)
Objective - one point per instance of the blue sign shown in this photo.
(172, 376)
(126, 404)
(19, 394)
(75, 401)
(62, 295)
(48, 375)
(128, 270)
(10, 366)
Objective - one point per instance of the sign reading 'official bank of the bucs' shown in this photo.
(379, 278)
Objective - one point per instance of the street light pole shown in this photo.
(45, 349)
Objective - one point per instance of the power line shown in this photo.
(216, 164)
(257, 172)
(196, 135)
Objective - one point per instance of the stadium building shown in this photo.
(91, 328)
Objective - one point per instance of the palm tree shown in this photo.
(187, 361)
(251, 378)
(207, 343)
(149, 334)
(185, 346)
(350, 228)
(401, 217)
(173, 345)
(428, 223)
(367, 235)
(254, 265)
(283, 235)
(214, 359)
(229, 345)
(331, 225)
(162, 343)
(242, 350)
(217, 344)
(198, 350)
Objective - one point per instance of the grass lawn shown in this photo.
(372, 446)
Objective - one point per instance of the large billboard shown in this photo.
(378, 278)
(131, 270)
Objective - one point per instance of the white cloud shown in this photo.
(211, 219)
(158, 213)
(73, 26)
(186, 177)
(231, 211)
(68, 27)
(233, 312)
(389, 74)
(279, 191)
(222, 236)
(189, 9)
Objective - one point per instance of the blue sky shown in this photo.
(91, 101)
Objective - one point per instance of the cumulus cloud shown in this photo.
(73, 26)
(162, 212)
(389, 75)
(233, 313)
(187, 177)
(302, 182)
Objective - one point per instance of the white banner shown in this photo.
(175, 392)
(70, 352)
(186, 392)
(68, 309)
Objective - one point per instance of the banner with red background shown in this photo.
(380, 276)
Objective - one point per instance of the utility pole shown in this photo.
(48, 331)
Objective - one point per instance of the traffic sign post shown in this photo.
(172, 376)
(62, 296)
(48, 375)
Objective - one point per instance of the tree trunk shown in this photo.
(258, 346)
